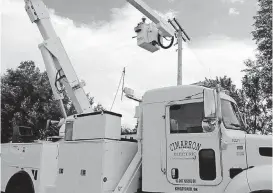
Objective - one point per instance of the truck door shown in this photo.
(192, 155)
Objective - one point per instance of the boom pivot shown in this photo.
(56, 60)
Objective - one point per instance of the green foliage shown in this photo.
(227, 84)
(125, 130)
(27, 99)
(258, 101)
(262, 33)
(69, 107)
(248, 100)
(257, 82)
(99, 107)
(128, 131)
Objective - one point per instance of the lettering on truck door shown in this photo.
(193, 156)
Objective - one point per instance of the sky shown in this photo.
(97, 35)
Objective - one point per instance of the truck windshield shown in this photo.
(231, 115)
(186, 118)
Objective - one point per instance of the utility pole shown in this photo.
(162, 28)
(179, 35)
(179, 65)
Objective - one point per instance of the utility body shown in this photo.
(189, 139)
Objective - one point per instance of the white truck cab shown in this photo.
(185, 151)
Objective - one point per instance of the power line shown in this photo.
(200, 61)
(122, 83)
(122, 77)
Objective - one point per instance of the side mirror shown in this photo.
(244, 117)
(209, 97)
(209, 125)
(209, 121)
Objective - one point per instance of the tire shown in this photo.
(20, 183)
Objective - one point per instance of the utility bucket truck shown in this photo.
(189, 138)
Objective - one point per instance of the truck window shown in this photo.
(207, 165)
(186, 118)
(231, 115)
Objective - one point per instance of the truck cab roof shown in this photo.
(174, 93)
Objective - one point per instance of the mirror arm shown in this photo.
(243, 118)
(218, 110)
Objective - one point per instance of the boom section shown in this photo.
(57, 63)
(162, 25)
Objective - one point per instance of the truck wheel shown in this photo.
(20, 183)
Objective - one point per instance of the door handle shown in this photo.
(162, 162)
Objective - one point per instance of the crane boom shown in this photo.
(149, 35)
(56, 59)
(162, 25)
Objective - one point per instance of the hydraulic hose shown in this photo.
(161, 45)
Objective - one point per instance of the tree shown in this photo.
(69, 107)
(257, 103)
(99, 107)
(241, 97)
(257, 82)
(262, 33)
(125, 130)
(27, 99)
(227, 84)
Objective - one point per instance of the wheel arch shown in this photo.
(21, 177)
(238, 184)
(254, 180)
(260, 178)
(262, 191)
